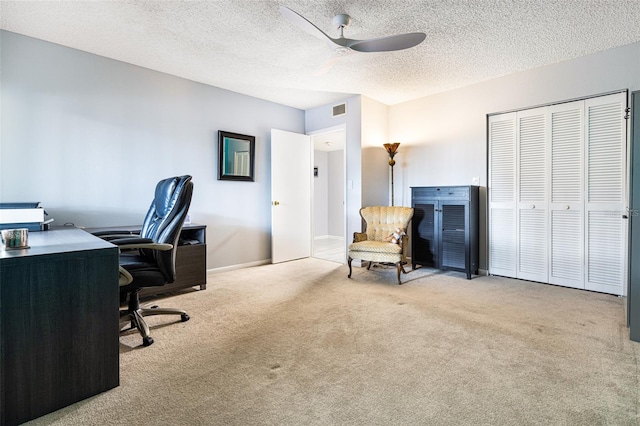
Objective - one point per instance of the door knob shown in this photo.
(276, 203)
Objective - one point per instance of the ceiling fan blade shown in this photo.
(302, 23)
(327, 66)
(387, 44)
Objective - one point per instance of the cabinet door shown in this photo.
(453, 240)
(424, 234)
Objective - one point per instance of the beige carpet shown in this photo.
(300, 344)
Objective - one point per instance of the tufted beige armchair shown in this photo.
(371, 245)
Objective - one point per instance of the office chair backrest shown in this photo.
(165, 218)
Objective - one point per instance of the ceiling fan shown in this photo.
(342, 45)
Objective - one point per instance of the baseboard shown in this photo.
(481, 272)
(355, 263)
(238, 266)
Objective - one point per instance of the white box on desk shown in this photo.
(35, 215)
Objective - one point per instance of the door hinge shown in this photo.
(627, 110)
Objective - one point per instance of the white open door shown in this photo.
(290, 196)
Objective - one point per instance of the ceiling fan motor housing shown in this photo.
(341, 21)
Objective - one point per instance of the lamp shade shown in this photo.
(392, 148)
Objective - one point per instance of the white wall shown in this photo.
(375, 160)
(444, 136)
(89, 137)
(320, 194)
(320, 118)
(335, 195)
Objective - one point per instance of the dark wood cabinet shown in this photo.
(191, 258)
(444, 230)
(191, 262)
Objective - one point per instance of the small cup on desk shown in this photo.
(15, 238)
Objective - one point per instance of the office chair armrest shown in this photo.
(112, 237)
(140, 243)
(124, 277)
(110, 233)
(149, 246)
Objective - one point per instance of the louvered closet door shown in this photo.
(532, 214)
(502, 195)
(567, 261)
(606, 230)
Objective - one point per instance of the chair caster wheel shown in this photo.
(184, 317)
(147, 341)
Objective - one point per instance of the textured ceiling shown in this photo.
(248, 47)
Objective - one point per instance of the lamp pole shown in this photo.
(392, 149)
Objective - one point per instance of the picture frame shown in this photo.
(236, 155)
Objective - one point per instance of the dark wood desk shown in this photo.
(59, 335)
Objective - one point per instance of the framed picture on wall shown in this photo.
(236, 154)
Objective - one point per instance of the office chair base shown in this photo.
(136, 319)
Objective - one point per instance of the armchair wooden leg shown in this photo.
(369, 265)
(349, 262)
(400, 269)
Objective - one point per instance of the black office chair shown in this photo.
(149, 259)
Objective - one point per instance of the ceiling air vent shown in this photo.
(339, 110)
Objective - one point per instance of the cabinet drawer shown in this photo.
(445, 192)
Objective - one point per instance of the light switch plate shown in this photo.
(475, 180)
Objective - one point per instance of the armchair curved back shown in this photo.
(381, 221)
(164, 220)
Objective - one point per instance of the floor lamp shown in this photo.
(392, 148)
